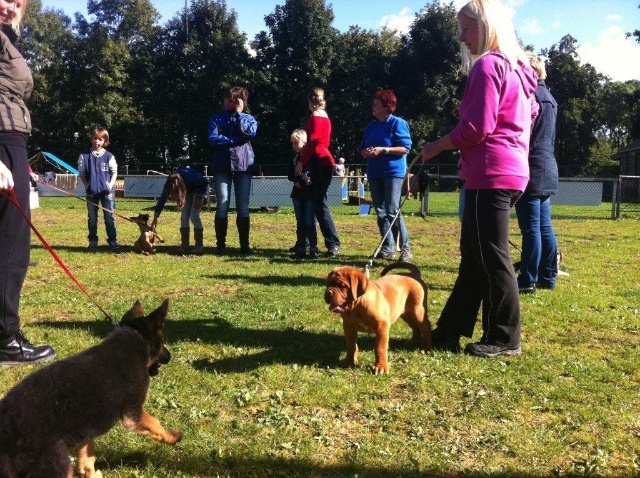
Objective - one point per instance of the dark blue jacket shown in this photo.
(312, 171)
(96, 170)
(226, 130)
(195, 182)
(543, 168)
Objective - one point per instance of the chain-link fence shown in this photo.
(432, 194)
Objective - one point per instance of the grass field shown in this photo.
(255, 385)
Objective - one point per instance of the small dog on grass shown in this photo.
(371, 306)
(67, 404)
(145, 243)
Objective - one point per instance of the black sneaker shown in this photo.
(444, 342)
(527, 290)
(313, 253)
(17, 350)
(485, 350)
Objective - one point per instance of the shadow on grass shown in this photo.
(288, 346)
(241, 466)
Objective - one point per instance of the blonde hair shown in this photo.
(495, 32)
(316, 98)
(299, 135)
(15, 21)
(537, 63)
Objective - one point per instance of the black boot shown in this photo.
(17, 350)
(184, 240)
(198, 235)
(244, 227)
(220, 225)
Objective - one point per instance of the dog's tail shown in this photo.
(414, 273)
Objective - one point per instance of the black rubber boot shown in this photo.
(198, 235)
(244, 227)
(184, 240)
(220, 226)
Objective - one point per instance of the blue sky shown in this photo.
(598, 25)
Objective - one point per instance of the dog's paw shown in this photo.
(380, 369)
(176, 434)
(346, 363)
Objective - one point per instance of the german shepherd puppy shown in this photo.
(69, 403)
(145, 243)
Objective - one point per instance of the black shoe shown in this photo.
(485, 350)
(17, 350)
(247, 251)
(299, 254)
(313, 253)
(443, 342)
(527, 290)
(333, 252)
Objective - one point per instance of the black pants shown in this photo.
(486, 275)
(15, 238)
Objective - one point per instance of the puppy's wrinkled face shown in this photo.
(344, 286)
(141, 219)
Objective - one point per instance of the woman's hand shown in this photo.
(154, 223)
(6, 178)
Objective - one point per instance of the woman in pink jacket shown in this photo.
(493, 138)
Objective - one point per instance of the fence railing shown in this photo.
(430, 194)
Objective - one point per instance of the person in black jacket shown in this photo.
(305, 194)
(539, 262)
(16, 85)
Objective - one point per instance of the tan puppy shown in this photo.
(371, 306)
(145, 243)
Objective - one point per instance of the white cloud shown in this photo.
(532, 27)
(400, 22)
(613, 17)
(614, 55)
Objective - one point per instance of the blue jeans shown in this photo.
(385, 195)
(539, 258)
(107, 201)
(306, 233)
(190, 213)
(241, 181)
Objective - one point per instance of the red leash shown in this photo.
(14, 200)
(85, 200)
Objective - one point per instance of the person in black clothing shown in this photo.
(304, 195)
(15, 233)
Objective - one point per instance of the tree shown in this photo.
(427, 74)
(363, 66)
(576, 89)
(46, 42)
(295, 55)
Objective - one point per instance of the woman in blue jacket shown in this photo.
(230, 133)
(385, 145)
(539, 258)
(187, 187)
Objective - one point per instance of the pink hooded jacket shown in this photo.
(493, 132)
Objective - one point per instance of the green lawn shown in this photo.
(255, 385)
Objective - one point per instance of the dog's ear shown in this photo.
(359, 282)
(134, 313)
(158, 315)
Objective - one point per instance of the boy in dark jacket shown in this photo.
(98, 172)
(304, 196)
